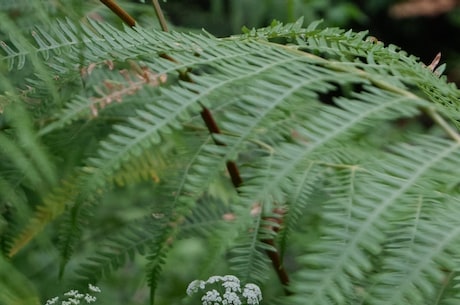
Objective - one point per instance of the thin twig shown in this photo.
(160, 16)
(114, 7)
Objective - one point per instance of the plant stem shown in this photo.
(278, 266)
(160, 15)
(211, 124)
(114, 7)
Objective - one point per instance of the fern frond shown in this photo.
(364, 219)
(297, 202)
(419, 271)
(26, 163)
(248, 257)
(25, 151)
(326, 135)
(157, 259)
(367, 53)
(98, 42)
(215, 221)
(114, 253)
(301, 121)
(54, 204)
(17, 289)
(71, 230)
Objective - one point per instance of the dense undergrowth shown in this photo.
(319, 163)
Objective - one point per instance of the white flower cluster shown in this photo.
(230, 291)
(73, 297)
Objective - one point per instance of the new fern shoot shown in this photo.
(293, 157)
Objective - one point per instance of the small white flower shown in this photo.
(213, 279)
(211, 297)
(231, 278)
(194, 286)
(94, 288)
(75, 298)
(90, 299)
(79, 296)
(71, 293)
(231, 298)
(252, 294)
(232, 286)
(74, 301)
(52, 301)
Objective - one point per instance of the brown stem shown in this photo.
(232, 168)
(234, 174)
(277, 265)
(114, 7)
(210, 122)
(277, 220)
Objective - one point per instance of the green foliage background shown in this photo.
(113, 178)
